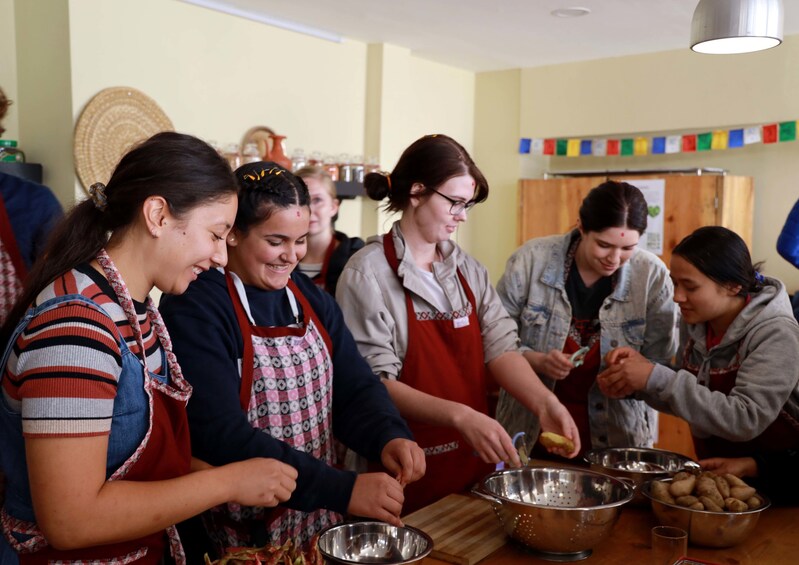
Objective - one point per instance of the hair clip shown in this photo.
(97, 194)
(759, 278)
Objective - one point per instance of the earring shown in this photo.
(231, 239)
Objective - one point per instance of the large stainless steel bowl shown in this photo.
(561, 514)
(706, 528)
(374, 542)
(639, 464)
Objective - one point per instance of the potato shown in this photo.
(683, 487)
(551, 440)
(686, 501)
(754, 502)
(723, 486)
(681, 476)
(660, 491)
(697, 506)
(706, 486)
(742, 493)
(710, 504)
(735, 505)
(734, 481)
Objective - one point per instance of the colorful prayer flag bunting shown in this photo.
(715, 140)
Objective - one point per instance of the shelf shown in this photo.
(27, 171)
(346, 190)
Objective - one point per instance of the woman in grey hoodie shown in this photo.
(737, 371)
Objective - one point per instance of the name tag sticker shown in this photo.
(460, 322)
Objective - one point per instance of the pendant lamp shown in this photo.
(736, 26)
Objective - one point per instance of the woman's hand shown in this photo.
(488, 438)
(555, 417)
(555, 364)
(378, 496)
(627, 372)
(739, 466)
(404, 459)
(260, 481)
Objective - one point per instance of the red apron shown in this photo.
(573, 392)
(12, 267)
(319, 280)
(444, 358)
(165, 451)
(780, 435)
(287, 392)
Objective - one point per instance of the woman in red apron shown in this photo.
(737, 382)
(425, 316)
(276, 373)
(93, 428)
(328, 249)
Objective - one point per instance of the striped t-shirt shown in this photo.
(63, 371)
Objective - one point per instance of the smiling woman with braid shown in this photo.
(276, 373)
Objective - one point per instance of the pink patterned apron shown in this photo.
(287, 392)
(12, 267)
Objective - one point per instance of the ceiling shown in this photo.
(484, 35)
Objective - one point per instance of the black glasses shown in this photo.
(458, 206)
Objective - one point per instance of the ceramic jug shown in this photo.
(277, 151)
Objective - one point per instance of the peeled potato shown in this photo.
(551, 440)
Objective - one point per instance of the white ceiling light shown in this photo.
(736, 26)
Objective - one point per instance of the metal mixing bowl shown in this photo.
(374, 542)
(559, 513)
(706, 528)
(639, 464)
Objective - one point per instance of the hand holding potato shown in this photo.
(627, 371)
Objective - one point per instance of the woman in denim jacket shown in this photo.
(577, 296)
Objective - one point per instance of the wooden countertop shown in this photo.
(774, 541)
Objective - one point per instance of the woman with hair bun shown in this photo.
(736, 380)
(94, 436)
(426, 318)
(277, 374)
(576, 296)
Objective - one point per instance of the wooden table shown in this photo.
(775, 541)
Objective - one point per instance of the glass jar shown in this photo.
(344, 168)
(250, 154)
(315, 159)
(357, 169)
(232, 155)
(331, 167)
(298, 160)
(9, 153)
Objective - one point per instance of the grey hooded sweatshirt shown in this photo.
(764, 340)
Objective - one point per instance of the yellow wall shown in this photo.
(8, 67)
(677, 91)
(311, 90)
(376, 99)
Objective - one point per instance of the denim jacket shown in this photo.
(639, 313)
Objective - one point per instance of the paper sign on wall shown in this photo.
(654, 191)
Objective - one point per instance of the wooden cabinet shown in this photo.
(551, 206)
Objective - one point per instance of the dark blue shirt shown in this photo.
(208, 344)
(33, 210)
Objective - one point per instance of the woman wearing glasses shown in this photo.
(426, 318)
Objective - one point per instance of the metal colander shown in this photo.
(560, 513)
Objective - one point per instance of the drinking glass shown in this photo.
(668, 544)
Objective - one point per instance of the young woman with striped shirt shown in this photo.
(93, 429)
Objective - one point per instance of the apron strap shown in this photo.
(246, 338)
(10, 242)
